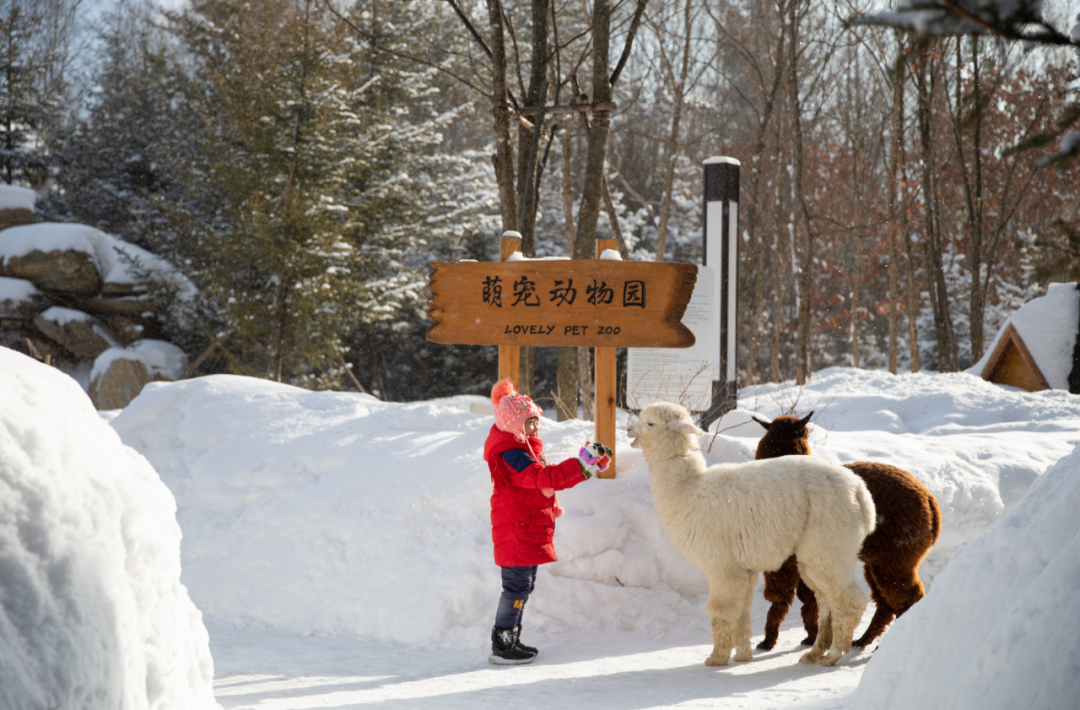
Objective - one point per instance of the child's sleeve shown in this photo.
(525, 472)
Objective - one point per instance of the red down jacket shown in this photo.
(522, 517)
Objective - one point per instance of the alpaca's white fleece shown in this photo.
(733, 520)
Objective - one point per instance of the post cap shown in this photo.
(721, 160)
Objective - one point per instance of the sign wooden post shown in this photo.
(509, 355)
(600, 303)
(606, 378)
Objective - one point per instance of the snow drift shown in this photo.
(1000, 629)
(92, 611)
(335, 513)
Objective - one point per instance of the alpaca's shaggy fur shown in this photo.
(909, 523)
(732, 520)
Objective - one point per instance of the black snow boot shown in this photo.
(505, 650)
(523, 647)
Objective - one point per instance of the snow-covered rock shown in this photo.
(20, 299)
(92, 611)
(119, 374)
(78, 332)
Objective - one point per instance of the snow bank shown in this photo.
(159, 357)
(977, 446)
(1048, 326)
(17, 198)
(334, 513)
(116, 260)
(92, 611)
(1000, 629)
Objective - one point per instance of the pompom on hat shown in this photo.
(512, 409)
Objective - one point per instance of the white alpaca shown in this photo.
(733, 520)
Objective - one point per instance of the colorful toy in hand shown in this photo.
(595, 457)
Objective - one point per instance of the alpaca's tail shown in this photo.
(866, 507)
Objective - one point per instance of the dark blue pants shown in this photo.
(518, 583)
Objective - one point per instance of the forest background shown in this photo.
(302, 161)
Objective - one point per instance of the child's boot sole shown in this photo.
(500, 661)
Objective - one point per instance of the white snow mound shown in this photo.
(92, 611)
(335, 513)
(1000, 629)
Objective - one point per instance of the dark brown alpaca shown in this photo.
(909, 523)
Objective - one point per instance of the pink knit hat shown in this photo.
(512, 409)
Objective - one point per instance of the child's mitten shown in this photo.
(595, 457)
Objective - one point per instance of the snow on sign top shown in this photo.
(17, 198)
(717, 160)
(1048, 326)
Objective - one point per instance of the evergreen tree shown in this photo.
(22, 104)
(117, 163)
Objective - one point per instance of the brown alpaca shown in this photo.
(909, 523)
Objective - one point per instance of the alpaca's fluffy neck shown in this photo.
(673, 479)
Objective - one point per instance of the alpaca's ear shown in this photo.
(805, 420)
(762, 422)
(685, 427)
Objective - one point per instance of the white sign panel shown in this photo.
(681, 375)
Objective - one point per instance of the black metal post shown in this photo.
(721, 252)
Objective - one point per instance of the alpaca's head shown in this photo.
(784, 436)
(664, 427)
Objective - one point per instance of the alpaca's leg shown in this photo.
(779, 591)
(726, 595)
(845, 612)
(824, 636)
(742, 645)
(809, 612)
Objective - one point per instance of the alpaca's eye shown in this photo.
(649, 423)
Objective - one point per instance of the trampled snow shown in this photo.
(92, 611)
(339, 548)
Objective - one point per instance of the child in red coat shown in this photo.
(523, 510)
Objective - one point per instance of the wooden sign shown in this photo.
(585, 303)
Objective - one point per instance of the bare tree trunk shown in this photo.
(282, 313)
(803, 360)
(500, 110)
(892, 210)
(753, 208)
(674, 143)
(939, 297)
(568, 374)
(585, 377)
(855, 301)
(972, 192)
(591, 198)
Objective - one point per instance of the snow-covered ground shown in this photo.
(339, 550)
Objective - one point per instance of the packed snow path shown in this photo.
(594, 671)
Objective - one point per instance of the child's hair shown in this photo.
(513, 409)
